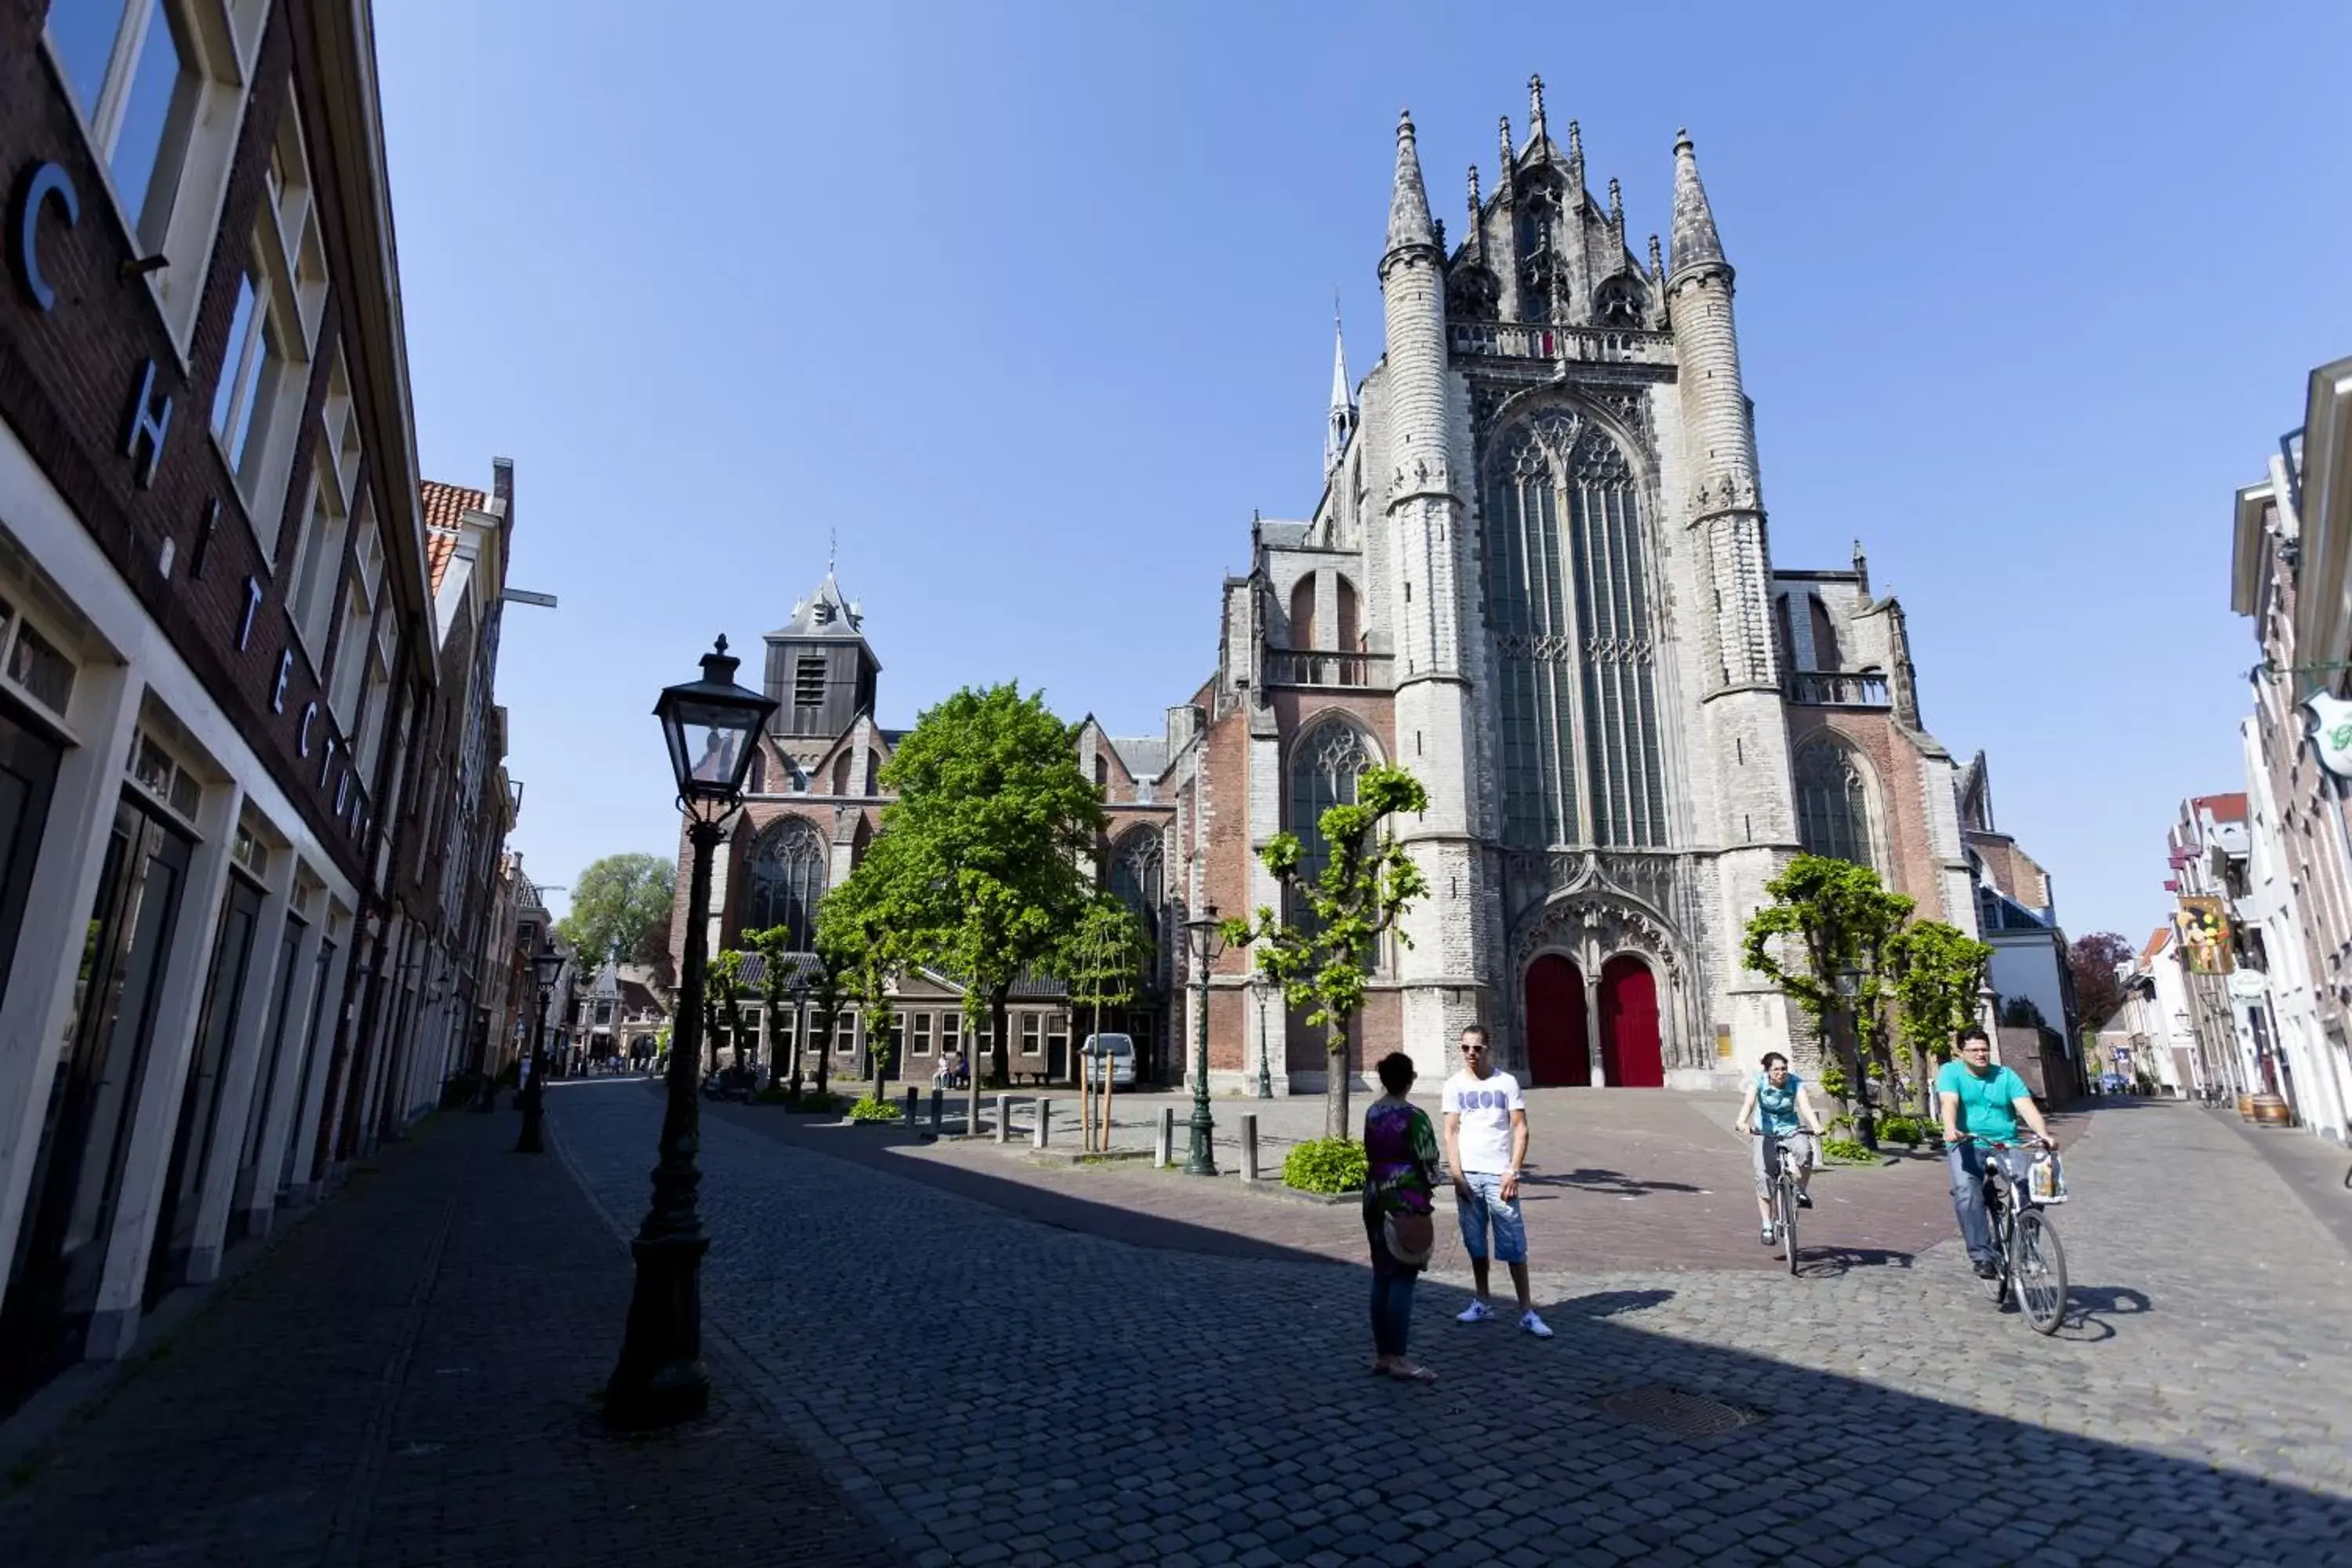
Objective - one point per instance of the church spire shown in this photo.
(1409, 223)
(1341, 423)
(1695, 240)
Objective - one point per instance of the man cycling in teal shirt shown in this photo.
(1980, 1101)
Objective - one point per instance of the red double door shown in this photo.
(1559, 1039)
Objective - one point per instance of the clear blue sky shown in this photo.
(1032, 303)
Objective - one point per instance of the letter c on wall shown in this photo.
(41, 185)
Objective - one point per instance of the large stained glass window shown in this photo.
(787, 879)
(1833, 803)
(1569, 600)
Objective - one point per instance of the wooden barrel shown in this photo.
(2270, 1111)
(2246, 1106)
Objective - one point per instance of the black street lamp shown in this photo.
(1265, 1068)
(800, 989)
(710, 726)
(545, 963)
(1207, 940)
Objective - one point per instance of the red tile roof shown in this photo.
(2155, 944)
(445, 507)
(2224, 807)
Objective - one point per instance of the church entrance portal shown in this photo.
(1629, 1055)
(1558, 1050)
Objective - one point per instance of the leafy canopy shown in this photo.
(621, 901)
(1323, 961)
(1936, 975)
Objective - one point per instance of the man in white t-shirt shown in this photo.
(1486, 1144)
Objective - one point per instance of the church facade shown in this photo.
(1538, 576)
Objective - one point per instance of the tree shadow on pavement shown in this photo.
(1598, 1179)
(1199, 1370)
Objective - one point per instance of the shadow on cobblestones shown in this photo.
(996, 1390)
(1612, 1182)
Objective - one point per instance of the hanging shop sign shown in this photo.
(2204, 926)
(2331, 733)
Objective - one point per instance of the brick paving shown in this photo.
(408, 1377)
(1103, 1387)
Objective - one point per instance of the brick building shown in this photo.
(218, 664)
(1537, 576)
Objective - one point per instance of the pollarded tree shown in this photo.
(1937, 974)
(862, 932)
(1822, 939)
(722, 1006)
(1102, 964)
(986, 841)
(1370, 880)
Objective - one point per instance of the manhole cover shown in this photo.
(1676, 1412)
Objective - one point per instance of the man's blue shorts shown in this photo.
(1487, 1207)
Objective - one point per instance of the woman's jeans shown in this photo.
(1391, 1290)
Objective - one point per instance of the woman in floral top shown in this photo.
(1401, 1172)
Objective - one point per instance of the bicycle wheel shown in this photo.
(1788, 1206)
(2041, 1264)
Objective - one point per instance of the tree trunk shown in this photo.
(881, 1055)
(1000, 1049)
(824, 1058)
(1336, 1080)
(1865, 1120)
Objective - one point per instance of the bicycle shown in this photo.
(1784, 1195)
(2033, 1263)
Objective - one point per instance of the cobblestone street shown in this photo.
(981, 1383)
(989, 1363)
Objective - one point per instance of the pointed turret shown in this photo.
(1342, 420)
(1510, 157)
(1695, 240)
(1408, 225)
(1535, 111)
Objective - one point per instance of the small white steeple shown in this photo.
(1342, 419)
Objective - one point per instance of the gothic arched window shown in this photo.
(787, 877)
(1568, 598)
(1618, 304)
(1138, 879)
(1833, 803)
(1324, 763)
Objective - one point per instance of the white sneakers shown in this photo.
(1477, 1311)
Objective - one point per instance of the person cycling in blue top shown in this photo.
(1778, 1097)
(1981, 1101)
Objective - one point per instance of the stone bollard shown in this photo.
(1003, 1117)
(1249, 1147)
(910, 1109)
(1045, 1121)
(938, 1104)
(1163, 1139)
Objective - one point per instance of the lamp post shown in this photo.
(1265, 1069)
(1207, 942)
(710, 726)
(800, 989)
(544, 964)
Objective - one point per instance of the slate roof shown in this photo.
(827, 612)
(1146, 756)
(445, 507)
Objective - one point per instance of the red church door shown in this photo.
(1629, 1053)
(1556, 1037)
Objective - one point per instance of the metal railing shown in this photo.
(1507, 340)
(1832, 689)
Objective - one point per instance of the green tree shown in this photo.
(722, 1005)
(621, 901)
(986, 841)
(1822, 939)
(1103, 962)
(1937, 974)
(1322, 963)
(862, 934)
(822, 1000)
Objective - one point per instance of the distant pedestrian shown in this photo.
(1399, 1175)
(1485, 1145)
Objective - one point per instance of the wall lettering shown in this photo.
(302, 735)
(151, 421)
(252, 602)
(326, 757)
(204, 540)
(285, 673)
(44, 185)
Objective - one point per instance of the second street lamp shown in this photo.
(711, 727)
(1207, 940)
(544, 966)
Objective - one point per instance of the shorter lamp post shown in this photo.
(544, 963)
(1207, 942)
(800, 990)
(1265, 1068)
(711, 727)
